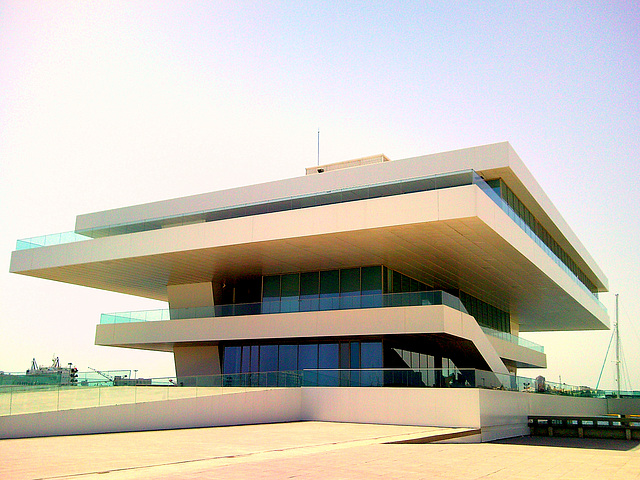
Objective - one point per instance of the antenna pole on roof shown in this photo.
(318, 146)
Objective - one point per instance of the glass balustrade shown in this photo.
(437, 297)
(23, 399)
(284, 304)
(513, 339)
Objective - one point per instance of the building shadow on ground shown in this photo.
(582, 443)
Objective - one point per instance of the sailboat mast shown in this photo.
(617, 348)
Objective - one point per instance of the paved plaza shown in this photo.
(315, 450)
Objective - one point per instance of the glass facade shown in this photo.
(486, 315)
(343, 363)
(360, 287)
(339, 363)
(425, 369)
(415, 361)
(326, 363)
(291, 356)
(516, 205)
(366, 287)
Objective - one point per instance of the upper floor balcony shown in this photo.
(297, 304)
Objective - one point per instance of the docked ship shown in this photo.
(36, 375)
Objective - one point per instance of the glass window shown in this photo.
(309, 290)
(310, 283)
(406, 357)
(329, 289)
(271, 287)
(328, 355)
(387, 281)
(415, 360)
(371, 357)
(247, 290)
(308, 356)
(431, 373)
(397, 282)
(328, 358)
(350, 288)
(331, 198)
(288, 358)
(246, 359)
(371, 287)
(255, 356)
(414, 186)
(406, 284)
(290, 285)
(371, 354)
(380, 191)
(350, 281)
(371, 280)
(345, 357)
(232, 358)
(268, 358)
(271, 294)
(355, 355)
(290, 293)
(357, 194)
(329, 282)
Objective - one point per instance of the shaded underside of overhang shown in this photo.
(447, 344)
(462, 351)
(462, 253)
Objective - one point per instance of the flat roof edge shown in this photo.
(488, 158)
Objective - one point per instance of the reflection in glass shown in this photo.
(308, 359)
(288, 358)
(371, 357)
(246, 359)
(290, 292)
(232, 358)
(268, 358)
(329, 290)
(271, 294)
(328, 359)
(309, 291)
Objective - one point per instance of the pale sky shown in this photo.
(109, 104)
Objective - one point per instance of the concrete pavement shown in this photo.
(312, 450)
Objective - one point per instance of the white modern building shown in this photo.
(431, 265)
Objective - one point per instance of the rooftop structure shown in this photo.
(435, 262)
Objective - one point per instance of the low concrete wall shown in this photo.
(263, 406)
(564, 405)
(439, 407)
(505, 414)
(500, 414)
